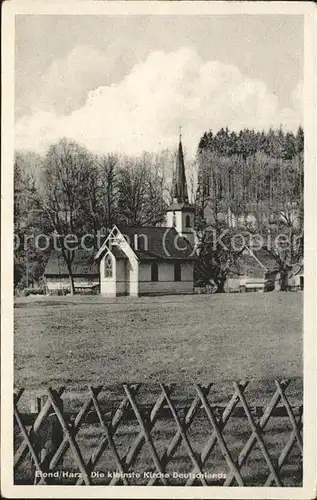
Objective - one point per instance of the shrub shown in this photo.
(33, 291)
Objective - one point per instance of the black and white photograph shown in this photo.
(159, 258)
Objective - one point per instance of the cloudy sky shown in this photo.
(126, 83)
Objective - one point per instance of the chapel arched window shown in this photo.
(108, 267)
(174, 219)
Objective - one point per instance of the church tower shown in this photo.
(180, 214)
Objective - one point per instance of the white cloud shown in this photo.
(144, 110)
(66, 82)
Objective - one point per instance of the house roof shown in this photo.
(297, 269)
(83, 264)
(255, 265)
(152, 243)
(266, 259)
(246, 266)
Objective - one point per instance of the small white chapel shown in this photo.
(152, 260)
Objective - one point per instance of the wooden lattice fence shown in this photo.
(156, 438)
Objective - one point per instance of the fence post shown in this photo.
(50, 435)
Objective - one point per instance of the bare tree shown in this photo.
(64, 194)
(141, 192)
(102, 195)
(109, 178)
(216, 232)
(285, 226)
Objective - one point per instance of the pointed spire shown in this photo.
(180, 193)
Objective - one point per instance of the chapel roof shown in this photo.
(162, 243)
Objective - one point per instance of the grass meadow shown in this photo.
(78, 340)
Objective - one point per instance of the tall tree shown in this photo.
(102, 195)
(141, 192)
(218, 252)
(28, 258)
(216, 230)
(109, 174)
(284, 233)
(64, 195)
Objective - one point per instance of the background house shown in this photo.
(250, 272)
(85, 272)
(296, 278)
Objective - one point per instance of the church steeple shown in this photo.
(179, 192)
(180, 214)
